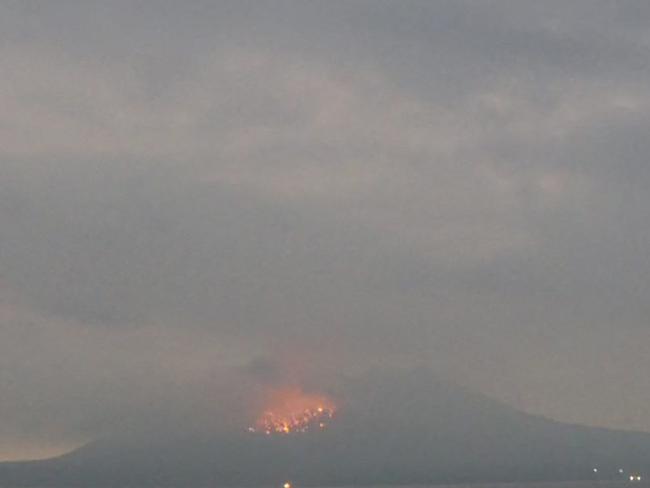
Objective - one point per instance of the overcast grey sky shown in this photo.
(189, 188)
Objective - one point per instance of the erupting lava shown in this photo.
(293, 411)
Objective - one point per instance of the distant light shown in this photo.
(595, 470)
(620, 470)
(638, 478)
(632, 478)
(287, 485)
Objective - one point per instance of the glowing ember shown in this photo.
(293, 412)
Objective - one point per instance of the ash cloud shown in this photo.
(334, 187)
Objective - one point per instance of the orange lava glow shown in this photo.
(292, 411)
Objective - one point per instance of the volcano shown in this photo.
(404, 428)
(292, 411)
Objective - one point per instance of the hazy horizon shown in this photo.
(203, 202)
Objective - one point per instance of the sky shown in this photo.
(192, 193)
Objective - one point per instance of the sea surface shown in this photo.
(546, 484)
(565, 484)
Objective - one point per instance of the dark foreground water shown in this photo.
(566, 484)
(563, 484)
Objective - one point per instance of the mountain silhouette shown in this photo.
(391, 428)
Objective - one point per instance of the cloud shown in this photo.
(185, 190)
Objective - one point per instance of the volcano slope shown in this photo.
(388, 429)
